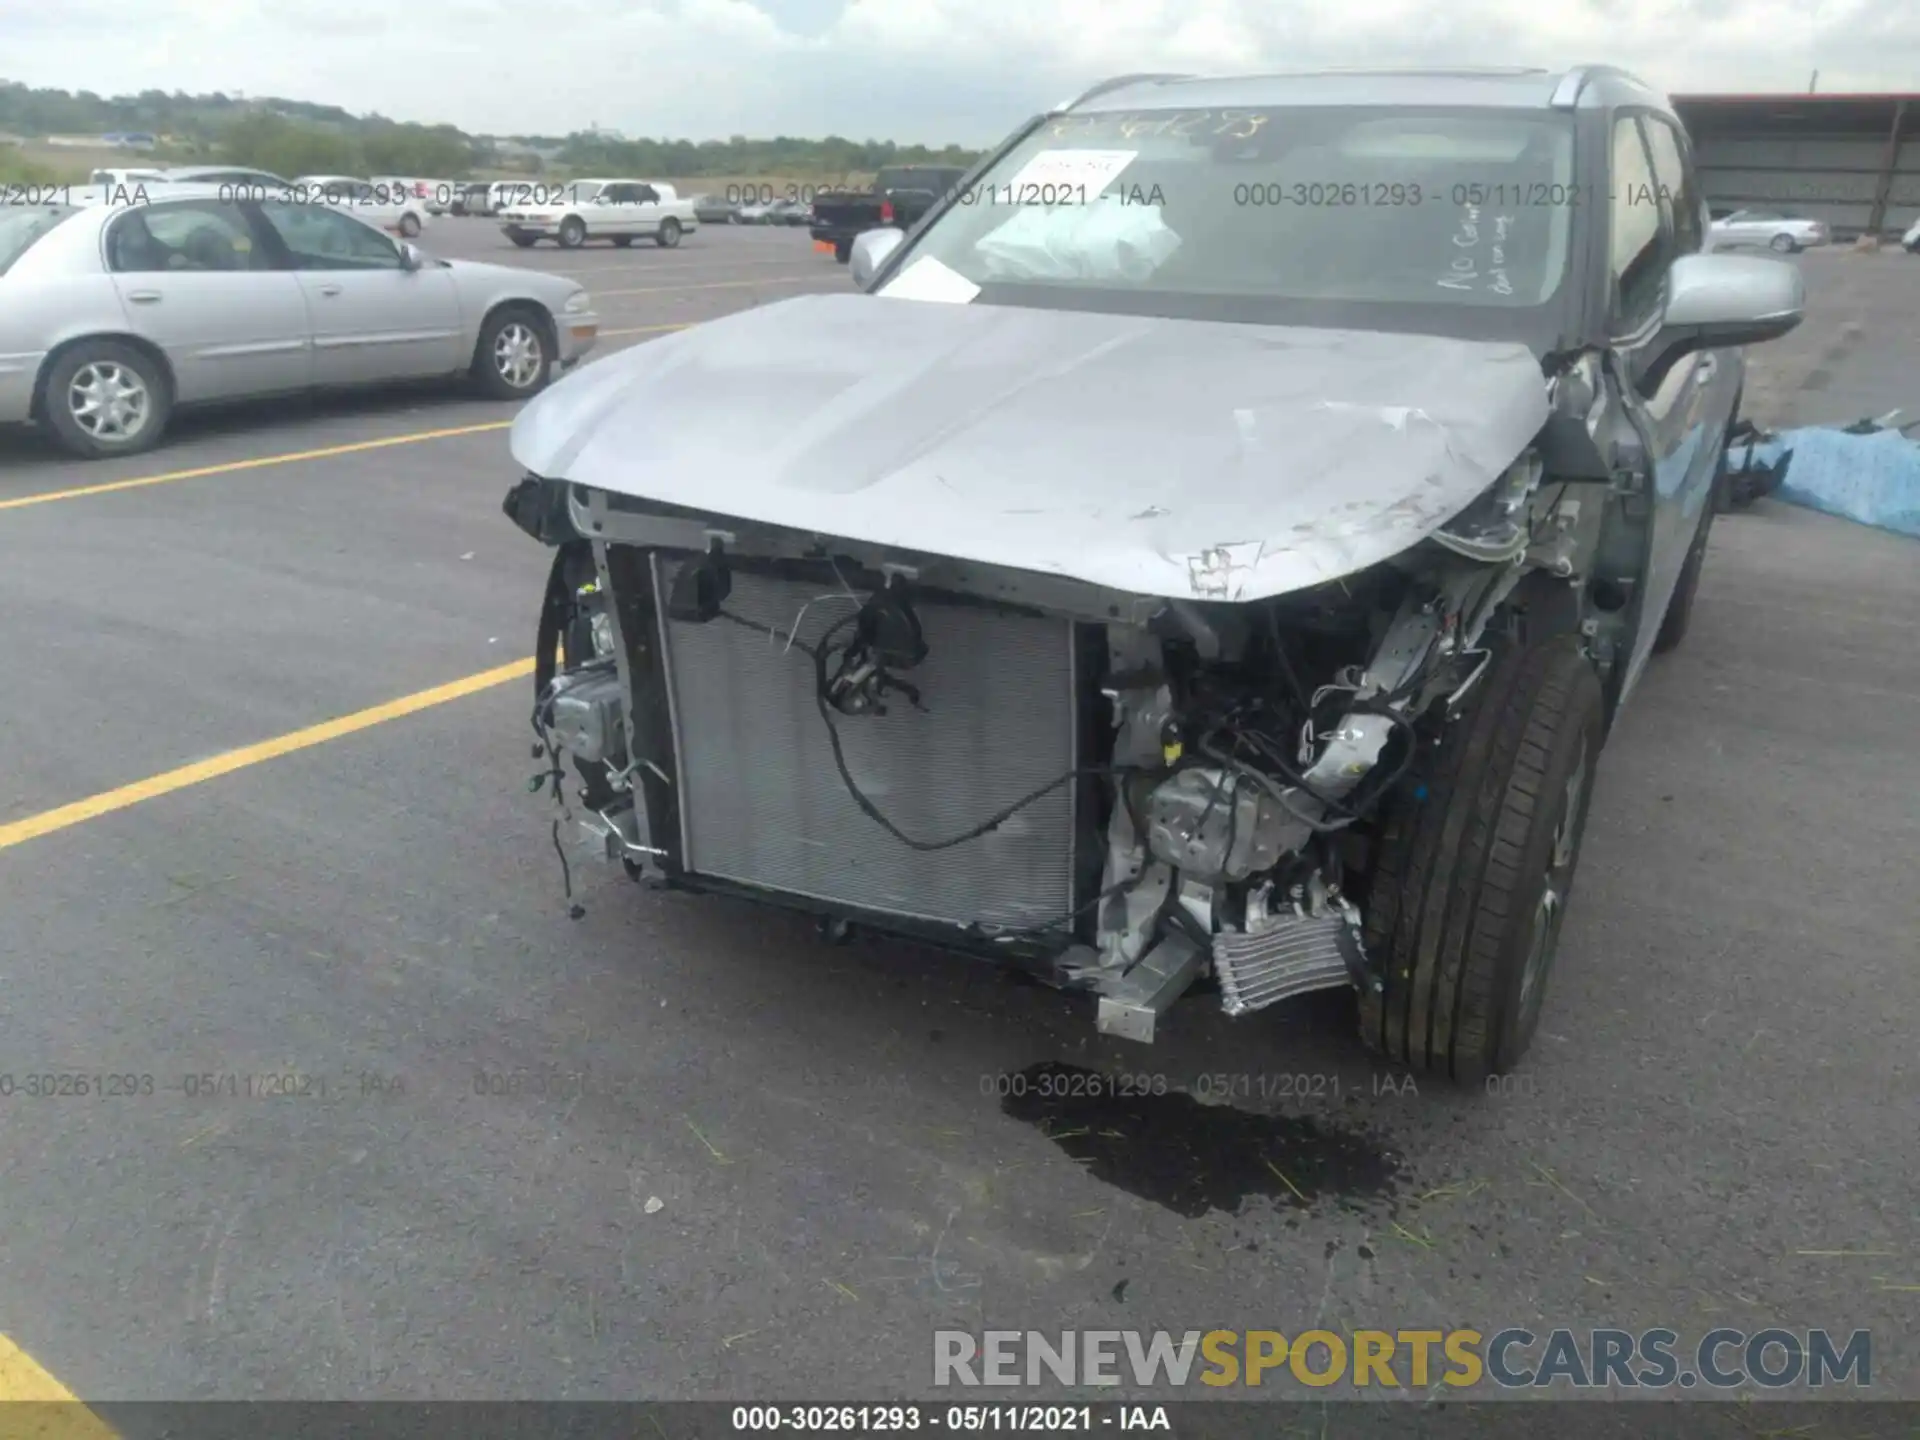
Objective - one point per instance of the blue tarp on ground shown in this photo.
(1874, 479)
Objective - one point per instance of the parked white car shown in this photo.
(618, 210)
(1775, 229)
(1911, 240)
(389, 204)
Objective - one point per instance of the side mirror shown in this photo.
(1717, 301)
(870, 251)
(411, 256)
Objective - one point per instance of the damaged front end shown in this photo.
(1124, 793)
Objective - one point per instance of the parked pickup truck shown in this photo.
(622, 211)
(901, 194)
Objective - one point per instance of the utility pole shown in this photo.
(1814, 83)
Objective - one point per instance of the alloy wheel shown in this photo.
(109, 401)
(518, 354)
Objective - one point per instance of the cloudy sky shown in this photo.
(928, 70)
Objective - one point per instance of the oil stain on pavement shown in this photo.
(1192, 1158)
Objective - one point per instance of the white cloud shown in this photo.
(931, 70)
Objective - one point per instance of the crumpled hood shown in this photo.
(1179, 458)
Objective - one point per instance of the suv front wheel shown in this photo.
(1473, 873)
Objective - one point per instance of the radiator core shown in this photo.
(762, 803)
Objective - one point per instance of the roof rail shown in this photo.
(1566, 95)
(1116, 83)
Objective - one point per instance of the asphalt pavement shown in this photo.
(682, 1148)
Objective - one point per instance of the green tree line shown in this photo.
(293, 137)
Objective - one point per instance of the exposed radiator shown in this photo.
(762, 804)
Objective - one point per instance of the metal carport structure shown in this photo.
(1850, 160)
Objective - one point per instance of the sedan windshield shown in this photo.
(20, 226)
(1254, 214)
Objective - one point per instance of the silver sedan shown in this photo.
(113, 312)
(1775, 229)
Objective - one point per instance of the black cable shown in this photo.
(557, 611)
(821, 654)
(1379, 788)
(1290, 774)
(1300, 696)
(774, 630)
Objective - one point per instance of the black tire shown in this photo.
(410, 225)
(97, 366)
(622, 241)
(573, 233)
(1784, 244)
(525, 242)
(668, 236)
(843, 251)
(1460, 884)
(503, 365)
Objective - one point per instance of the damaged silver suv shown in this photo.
(1213, 547)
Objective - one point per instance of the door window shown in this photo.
(1675, 177)
(1635, 249)
(323, 239)
(183, 235)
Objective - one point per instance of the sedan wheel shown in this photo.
(104, 398)
(669, 235)
(109, 401)
(573, 232)
(409, 225)
(514, 356)
(517, 354)
(1785, 244)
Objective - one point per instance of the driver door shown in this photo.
(371, 318)
(1657, 216)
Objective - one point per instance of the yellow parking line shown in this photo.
(39, 1407)
(105, 803)
(47, 497)
(718, 285)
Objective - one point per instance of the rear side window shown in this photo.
(195, 235)
(1676, 181)
(1634, 248)
(21, 226)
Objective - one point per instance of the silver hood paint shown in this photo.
(1179, 458)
